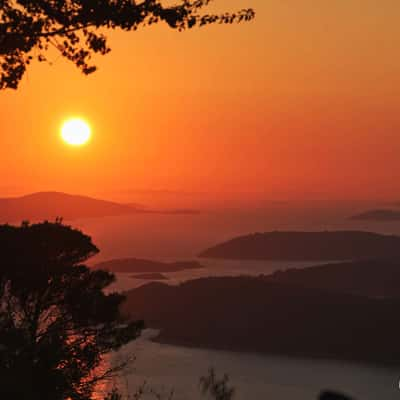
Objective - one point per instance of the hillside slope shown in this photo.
(250, 314)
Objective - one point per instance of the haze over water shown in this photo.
(174, 236)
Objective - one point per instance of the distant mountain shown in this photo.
(49, 205)
(301, 246)
(139, 265)
(251, 314)
(378, 215)
(371, 278)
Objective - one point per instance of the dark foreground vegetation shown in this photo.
(56, 322)
(307, 246)
(255, 315)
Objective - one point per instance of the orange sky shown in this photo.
(302, 103)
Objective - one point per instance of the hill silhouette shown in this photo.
(371, 278)
(378, 215)
(251, 314)
(301, 246)
(49, 205)
(145, 266)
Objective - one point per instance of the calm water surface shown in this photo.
(167, 368)
(126, 281)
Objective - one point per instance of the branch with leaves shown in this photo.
(29, 27)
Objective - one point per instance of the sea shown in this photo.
(173, 372)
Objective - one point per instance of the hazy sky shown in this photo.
(302, 103)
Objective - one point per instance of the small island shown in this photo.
(152, 276)
(139, 265)
(378, 215)
(307, 246)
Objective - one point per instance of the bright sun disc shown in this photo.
(75, 132)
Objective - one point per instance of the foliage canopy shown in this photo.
(56, 321)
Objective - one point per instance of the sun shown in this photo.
(76, 131)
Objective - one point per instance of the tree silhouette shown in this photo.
(29, 27)
(56, 322)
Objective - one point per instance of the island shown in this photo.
(254, 315)
(133, 265)
(152, 276)
(378, 215)
(307, 246)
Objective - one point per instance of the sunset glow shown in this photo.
(271, 118)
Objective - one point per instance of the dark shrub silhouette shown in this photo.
(56, 322)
